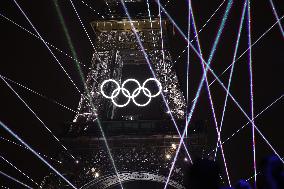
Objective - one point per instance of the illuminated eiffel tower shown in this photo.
(142, 139)
(118, 56)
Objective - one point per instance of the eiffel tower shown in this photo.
(118, 55)
(136, 122)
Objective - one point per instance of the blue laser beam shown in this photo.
(15, 180)
(237, 131)
(153, 73)
(220, 82)
(251, 89)
(203, 26)
(212, 52)
(188, 60)
(276, 16)
(37, 117)
(211, 104)
(249, 48)
(35, 153)
(244, 113)
(232, 69)
(19, 170)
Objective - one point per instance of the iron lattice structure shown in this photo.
(116, 48)
(140, 154)
(141, 149)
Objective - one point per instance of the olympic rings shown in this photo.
(127, 94)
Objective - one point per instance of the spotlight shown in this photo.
(77, 161)
(168, 156)
(185, 159)
(174, 146)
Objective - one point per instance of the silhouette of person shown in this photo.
(271, 174)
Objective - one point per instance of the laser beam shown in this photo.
(37, 117)
(35, 153)
(153, 73)
(220, 82)
(251, 90)
(19, 170)
(89, 96)
(48, 43)
(38, 94)
(232, 70)
(15, 180)
(23, 13)
(211, 102)
(212, 52)
(276, 16)
(19, 145)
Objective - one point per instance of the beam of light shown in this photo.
(244, 113)
(150, 18)
(101, 128)
(211, 102)
(75, 10)
(203, 26)
(212, 52)
(37, 117)
(276, 16)
(183, 35)
(242, 110)
(256, 174)
(221, 83)
(239, 57)
(35, 153)
(15, 180)
(14, 143)
(64, 27)
(163, 54)
(161, 32)
(251, 90)
(39, 94)
(188, 60)
(46, 46)
(153, 73)
(249, 48)
(19, 170)
(237, 131)
(90, 98)
(84, 3)
(48, 43)
(232, 70)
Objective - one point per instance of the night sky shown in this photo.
(26, 60)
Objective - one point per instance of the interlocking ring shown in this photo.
(134, 94)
